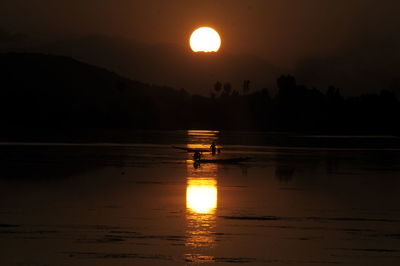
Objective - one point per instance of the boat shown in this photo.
(191, 149)
(224, 161)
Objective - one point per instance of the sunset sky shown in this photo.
(287, 33)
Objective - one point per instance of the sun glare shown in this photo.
(201, 195)
(205, 39)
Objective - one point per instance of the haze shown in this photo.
(322, 42)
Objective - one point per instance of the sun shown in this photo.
(205, 39)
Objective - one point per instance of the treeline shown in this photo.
(43, 91)
(296, 108)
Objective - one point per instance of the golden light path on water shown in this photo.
(201, 200)
(201, 205)
(201, 195)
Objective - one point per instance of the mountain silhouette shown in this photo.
(43, 92)
(46, 91)
(164, 64)
(356, 70)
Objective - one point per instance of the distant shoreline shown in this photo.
(96, 137)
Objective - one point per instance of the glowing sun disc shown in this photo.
(205, 39)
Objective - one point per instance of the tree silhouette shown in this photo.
(91, 97)
(246, 86)
(227, 89)
(217, 86)
(286, 85)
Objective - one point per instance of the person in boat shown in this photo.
(213, 148)
(197, 156)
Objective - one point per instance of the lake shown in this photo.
(297, 200)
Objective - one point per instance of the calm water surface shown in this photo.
(146, 203)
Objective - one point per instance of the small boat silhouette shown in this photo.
(224, 161)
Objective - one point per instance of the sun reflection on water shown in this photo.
(201, 205)
(201, 195)
(201, 200)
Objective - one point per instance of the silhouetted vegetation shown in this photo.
(53, 92)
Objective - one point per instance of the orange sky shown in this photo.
(281, 31)
(322, 42)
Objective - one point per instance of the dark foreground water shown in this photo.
(145, 203)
